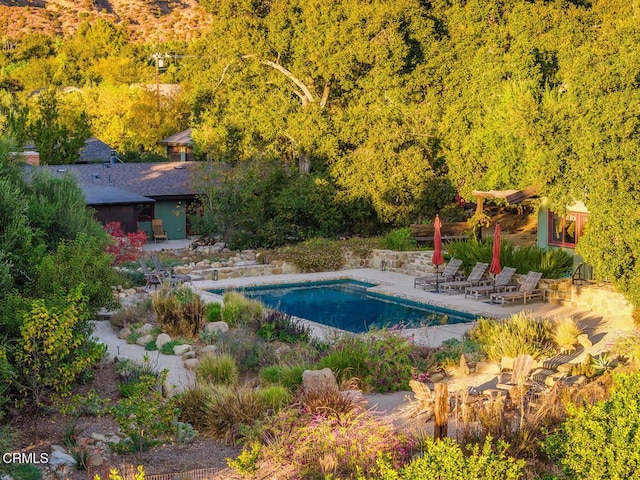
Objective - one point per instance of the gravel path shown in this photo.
(178, 376)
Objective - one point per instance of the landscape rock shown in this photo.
(436, 377)
(487, 368)
(114, 439)
(124, 333)
(98, 437)
(95, 459)
(162, 340)
(216, 327)
(209, 350)
(58, 448)
(60, 458)
(181, 349)
(143, 340)
(191, 364)
(319, 381)
(188, 355)
(145, 329)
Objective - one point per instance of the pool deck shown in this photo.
(400, 285)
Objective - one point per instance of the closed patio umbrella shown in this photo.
(437, 259)
(495, 267)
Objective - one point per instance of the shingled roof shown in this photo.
(103, 195)
(178, 139)
(158, 179)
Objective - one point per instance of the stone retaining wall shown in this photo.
(596, 298)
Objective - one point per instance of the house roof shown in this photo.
(105, 195)
(147, 179)
(95, 150)
(178, 139)
(511, 196)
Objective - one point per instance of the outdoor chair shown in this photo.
(152, 278)
(528, 291)
(474, 278)
(160, 268)
(449, 273)
(159, 233)
(502, 281)
(518, 376)
(156, 277)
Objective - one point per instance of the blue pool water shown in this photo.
(347, 305)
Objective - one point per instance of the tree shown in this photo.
(327, 87)
(58, 143)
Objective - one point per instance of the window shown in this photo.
(145, 212)
(566, 231)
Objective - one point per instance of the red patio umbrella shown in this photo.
(495, 267)
(437, 259)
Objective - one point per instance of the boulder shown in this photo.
(487, 368)
(188, 355)
(191, 364)
(162, 340)
(60, 458)
(124, 333)
(319, 381)
(216, 327)
(180, 349)
(143, 340)
(115, 439)
(145, 329)
(98, 437)
(209, 350)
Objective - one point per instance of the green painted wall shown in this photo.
(173, 218)
(146, 227)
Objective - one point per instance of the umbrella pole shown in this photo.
(437, 277)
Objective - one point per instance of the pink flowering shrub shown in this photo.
(125, 247)
(323, 444)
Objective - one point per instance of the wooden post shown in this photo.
(441, 407)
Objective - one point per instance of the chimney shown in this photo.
(112, 160)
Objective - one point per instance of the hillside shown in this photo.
(159, 20)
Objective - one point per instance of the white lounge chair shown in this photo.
(449, 273)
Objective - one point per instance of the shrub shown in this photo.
(349, 359)
(131, 314)
(179, 311)
(389, 363)
(218, 370)
(314, 446)
(229, 409)
(445, 459)
(167, 348)
(602, 440)
(213, 312)
(629, 346)
(517, 335)
(192, 405)
(250, 352)
(553, 263)
(449, 353)
(144, 416)
(275, 397)
(124, 247)
(566, 331)
(400, 240)
(239, 310)
(316, 255)
(280, 326)
(288, 377)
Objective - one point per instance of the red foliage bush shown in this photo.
(125, 247)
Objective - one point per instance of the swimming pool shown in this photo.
(348, 305)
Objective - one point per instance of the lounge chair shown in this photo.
(474, 278)
(528, 291)
(159, 233)
(166, 272)
(502, 281)
(449, 273)
(152, 278)
(519, 376)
